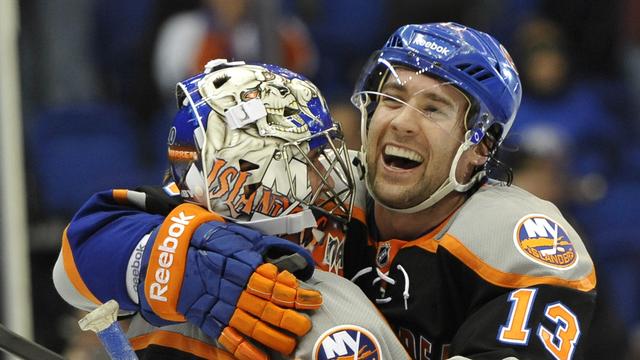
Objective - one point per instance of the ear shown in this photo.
(480, 153)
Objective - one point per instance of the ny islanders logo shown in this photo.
(544, 241)
(346, 342)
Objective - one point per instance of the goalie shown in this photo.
(250, 144)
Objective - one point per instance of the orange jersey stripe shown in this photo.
(72, 271)
(120, 196)
(510, 280)
(428, 244)
(427, 241)
(179, 342)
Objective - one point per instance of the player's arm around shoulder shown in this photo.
(97, 247)
(534, 272)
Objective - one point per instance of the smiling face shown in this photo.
(411, 145)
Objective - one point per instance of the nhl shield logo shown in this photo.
(543, 240)
(382, 257)
(346, 342)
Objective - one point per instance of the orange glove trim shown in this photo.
(243, 322)
(240, 347)
(167, 262)
(270, 313)
(261, 332)
(307, 299)
(296, 323)
(276, 340)
(282, 289)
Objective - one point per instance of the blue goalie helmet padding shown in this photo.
(257, 139)
(471, 60)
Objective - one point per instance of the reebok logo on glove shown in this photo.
(168, 257)
(167, 248)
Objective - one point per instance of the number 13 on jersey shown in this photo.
(561, 343)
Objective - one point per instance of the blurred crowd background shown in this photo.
(97, 90)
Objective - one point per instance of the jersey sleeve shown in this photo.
(97, 247)
(539, 322)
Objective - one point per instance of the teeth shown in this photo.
(403, 153)
(295, 130)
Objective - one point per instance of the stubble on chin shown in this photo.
(396, 196)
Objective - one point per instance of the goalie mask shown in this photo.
(256, 141)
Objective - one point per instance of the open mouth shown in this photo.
(290, 111)
(401, 158)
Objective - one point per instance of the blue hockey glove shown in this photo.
(199, 269)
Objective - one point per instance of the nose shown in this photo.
(405, 122)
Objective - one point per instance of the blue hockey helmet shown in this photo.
(472, 61)
(256, 140)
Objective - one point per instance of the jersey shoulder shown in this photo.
(515, 239)
(347, 324)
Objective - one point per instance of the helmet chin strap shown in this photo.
(448, 185)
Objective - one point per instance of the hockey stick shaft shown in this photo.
(18, 345)
(115, 343)
(103, 321)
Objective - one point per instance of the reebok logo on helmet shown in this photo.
(436, 47)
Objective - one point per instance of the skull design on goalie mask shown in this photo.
(255, 141)
(284, 99)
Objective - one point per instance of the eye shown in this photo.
(390, 101)
(283, 90)
(250, 94)
(246, 165)
(221, 81)
(430, 109)
(268, 75)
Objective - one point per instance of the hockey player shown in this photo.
(460, 265)
(250, 144)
